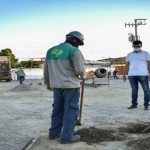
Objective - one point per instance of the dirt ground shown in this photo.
(107, 124)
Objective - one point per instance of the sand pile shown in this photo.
(136, 128)
(139, 129)
(140, 144)
(94, 135)
(24, 87)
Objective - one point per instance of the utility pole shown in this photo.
(136, 23)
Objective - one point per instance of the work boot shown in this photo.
(53, 137)
(75, 138)
(132, 107)
(146, 108)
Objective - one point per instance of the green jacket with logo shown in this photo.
(64, 64)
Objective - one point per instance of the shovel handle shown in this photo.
(81, 102)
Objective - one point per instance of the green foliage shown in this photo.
(30, 64)
(8, 52)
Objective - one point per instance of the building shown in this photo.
(116, 63)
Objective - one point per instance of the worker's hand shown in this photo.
(124, 77)
(49, 88)
(90, 74)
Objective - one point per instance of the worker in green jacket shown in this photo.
(63, 72)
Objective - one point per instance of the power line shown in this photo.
(135, 24)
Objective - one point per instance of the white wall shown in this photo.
(33, 73)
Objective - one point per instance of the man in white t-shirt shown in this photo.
(138, 69)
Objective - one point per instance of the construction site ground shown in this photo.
(107, 124)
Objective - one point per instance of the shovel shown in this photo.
(81, 104)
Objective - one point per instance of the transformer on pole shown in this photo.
(136, 23)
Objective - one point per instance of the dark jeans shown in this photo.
(65, 113)
(21, 79)
(115, 76)
(143, 80)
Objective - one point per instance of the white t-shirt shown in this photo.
(138, 63)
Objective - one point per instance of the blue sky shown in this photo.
(31, 27)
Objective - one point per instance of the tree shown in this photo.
(8, 52)
(30, 64)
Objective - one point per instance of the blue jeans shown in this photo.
(143, 80)
(21, 79)
(65, 113)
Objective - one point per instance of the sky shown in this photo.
(30, 27)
